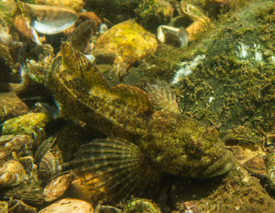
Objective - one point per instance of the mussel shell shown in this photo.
(41, 51)
(4, 206)
(48, 166)
(11, 173)
(49, 19)
(58, 20)
(16, 142)
(107, 209)
(69, 205)
(57, 187)
(5, 56)
(30, 193)
(18, 206)
(172, 39)
(11, 106)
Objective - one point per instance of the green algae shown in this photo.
(141, 205)
(152, 13)
(234, 84)
(25, 124)
(6, 13)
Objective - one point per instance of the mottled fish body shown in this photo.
(148, 137)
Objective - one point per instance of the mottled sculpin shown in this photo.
(148, 137)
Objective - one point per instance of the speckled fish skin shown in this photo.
(171, 142)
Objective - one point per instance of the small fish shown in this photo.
(148, 137)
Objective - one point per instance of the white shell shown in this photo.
(52, 19)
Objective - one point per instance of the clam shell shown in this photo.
(69, 205)
(11, 144)
(177, 37)
(11, 173)
(4, 206)
(29, 166)
(49, 19)
(11, 106)
(48, 166)
(5, 56)
(29, 192)
(18, 206)
(172, 39)
(16, 142)
(107, 209)
(57, 187)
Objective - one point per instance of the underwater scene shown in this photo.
(137, 106)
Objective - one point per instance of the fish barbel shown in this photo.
(147, 135)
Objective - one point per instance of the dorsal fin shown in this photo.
(134, 96)
(76, 63)
(162, 96)
(80, 37)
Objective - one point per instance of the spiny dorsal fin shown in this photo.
(80, 37)
(162, 96)
(77, 64)
(134, 96)
(114, 166)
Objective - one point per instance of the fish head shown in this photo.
(195, 151)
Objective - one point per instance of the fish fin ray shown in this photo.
(75, 62)
(134, 97)
(81, 35)
(117, 173)
(162, 96)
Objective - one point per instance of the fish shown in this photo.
(147, 136)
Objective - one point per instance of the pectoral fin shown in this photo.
(115, 167)
(162, 96)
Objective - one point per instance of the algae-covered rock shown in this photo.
(25, 124)
(227, 77)
(152, 13)
(129, 41)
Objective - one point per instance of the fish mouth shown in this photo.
(221, 166)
